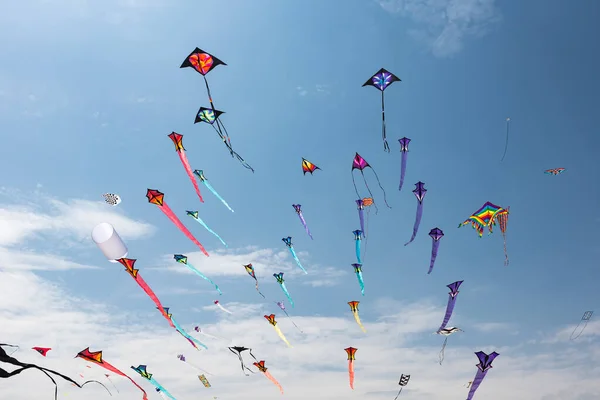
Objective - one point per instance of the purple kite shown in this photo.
(360, 164)
(282, 306)
(361, 215)
(420, 195)
(451, 301)
(436, 234)
(485, 363)
(381, 80)
(404, 150)
(298, 209)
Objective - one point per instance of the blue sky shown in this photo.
(93, 91)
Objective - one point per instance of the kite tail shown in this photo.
(112, 383)
(506, 143)
(258, 290)
(449, 309)
(209, 187)
(297, 260)
(402, 171)
(386, 146)
(400, 391)
(201, 222)
(505, 252)
(476, 382)
(284, 288)
(171, 215)
(573, 336)
(351, 373)
(282, 336)
(417, 223)
(305, 226)
(442, 351)
(223, 308)
(381, 187)
(140, 281)
(293, 321)
(186, 335)
(188, 170)
(357, 247)
(357, 319)
(161, 389)
(244, 368)
(434, 250)
(270, 377)
(361, 282)
(206, 278)
(361, 217)
(231, 151)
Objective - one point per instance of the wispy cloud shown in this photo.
(317, 89)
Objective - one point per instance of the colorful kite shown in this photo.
(181, 357)
(419, 192)
(288, 243)
(281, 282)
(141, 369)
(446, 332)
(506, 143)
(307, 166)
(112, 199)
(200, 174)
(273, 322)
(354, 308)
(298, 209)
(96, 358)
(485, 363)
(360, 164)
(381, 80)
(451, 302)
(204, 380)
(238, 350)
(357, 235)
(359, 276)
(218, 304)
(487, 216)
(436, 234)
(193, 341)
(261, 367)
(196, 216)
(403, 382)
(282, 306)
(554, 171)
(404, 150)
(178, 142)
(157, 198)
(351, 352)
(250, 270)
(585, 319)
(181, 258)
(42, 350)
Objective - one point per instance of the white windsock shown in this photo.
(109, 242)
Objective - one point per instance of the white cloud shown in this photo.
(444, 25)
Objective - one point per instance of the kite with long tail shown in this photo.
(290, 245)
(181, 357)
(486, 217)
(381, 80)
(584, 320)
(360, 164)
(218, 304)
(281, 282)
(359, 276)
(261, 367)
(354, 308)
(446, 332)
(351, 352)
(95, 357)
(196, 216)
(485, 363)
(298, 209)
(403, 382)
(238, 350)
(200, 331)
(182, 259)
(42, 350)
(307, 166)
(250, 270)
(273, 322)
(357, 235)
(141, 369)
(178, 142)
(193, 341)
(200, 174)
(404, 150)
(436, 234)
(158, 198)
(282, 306)
(506, 143)
(451, 302)
(419, 193)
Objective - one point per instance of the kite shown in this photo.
(112, 199)
(419, 192)
(96, 358)
(485, 363)
(436, 234)
(288, 243)
(381, 80)
(181, 357)
(354, 308)
(281, 282)
(451, 302)
(200, 331)
(273, 322)
(42, 350)
(585, 319)
(261, 367)
(282, 306)
(193, 341)
(554, 171)
(307, 166)
(194, 214)
(221, 307)
(351, 352)
(178, 142)
(446, 332)
(357, 234)
(204, 380)
(487, 216)
(506, 143)
(250, 270)
(141, 369)
(156, 197)
(358, 272)
(200, 174)
(237, 350)
(403, 382)
(404, 150)
(298, 209)
(360, 164)
(181, 258)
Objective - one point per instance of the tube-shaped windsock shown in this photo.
(109, 242)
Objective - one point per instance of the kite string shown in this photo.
(506, 143)
(442, 351)
(368, 189)
(381, 187)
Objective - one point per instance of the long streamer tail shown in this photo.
(224, 309)
(505, 252)
(195, 342)
(282, 336)
(357, 319)
(270, 377)
(301, 331)
(201, 275)
(357, 246)
(361, 282)
(209, 187)
(441, 355)
(434, 251)
(258, 290)
(171, 215)
(417, 223)
(351, 373)
(284, 288)
(201, 222)
(506, 143)
(188, 170)
(575, 335)
(297, 260)
(402, 171)
(361, 218)
(305, 226)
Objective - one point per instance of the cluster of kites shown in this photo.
(114, 249)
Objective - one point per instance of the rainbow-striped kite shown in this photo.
(488, 216)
